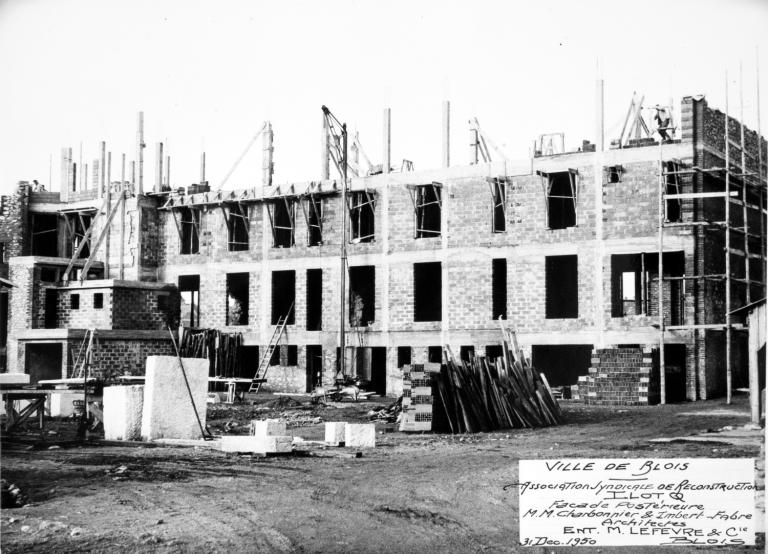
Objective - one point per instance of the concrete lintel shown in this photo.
(117, 283)
(38, 335)
(30, 261)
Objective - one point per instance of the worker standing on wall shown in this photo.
(663, 121)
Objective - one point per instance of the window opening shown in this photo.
(237, 298)
(672, 206)
(561, 287)
(313, 216)
(362, 295)
(74, 301)
(283, 296)
(282, 218)
(499, 196)
(238, 225)
(188, 227)
(499, 288)
(427, 207)
(403, 356)
(362, 210)
(98, 300)
(314, 299)
(427, 292)
(561, 198)
(189, 290)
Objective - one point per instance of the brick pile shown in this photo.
(620, 377)
(417, 397)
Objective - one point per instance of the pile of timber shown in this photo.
(223, 350)
(482, 395)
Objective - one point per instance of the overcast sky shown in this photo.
(207, 74)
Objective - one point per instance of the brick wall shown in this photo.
(123, 307)
(14, 225)
(621, 377)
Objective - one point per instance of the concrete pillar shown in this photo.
(599, 115)
(446, 134)
(267, 163)
(325, 161)
(386, 157)
(158, 167)
(102, 167)
(64, 183)
(139, 182)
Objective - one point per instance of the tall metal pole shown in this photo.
(343, 280)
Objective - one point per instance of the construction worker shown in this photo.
(663, 121)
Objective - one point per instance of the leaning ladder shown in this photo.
(261, 372)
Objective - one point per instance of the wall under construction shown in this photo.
(564, 246)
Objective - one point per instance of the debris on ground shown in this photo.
(12, 497)
(388, 414)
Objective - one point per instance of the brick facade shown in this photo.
(611, 219)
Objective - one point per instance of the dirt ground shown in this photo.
(412, 493)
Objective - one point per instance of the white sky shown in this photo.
(207, 74)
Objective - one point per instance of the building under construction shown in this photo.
(619, 264)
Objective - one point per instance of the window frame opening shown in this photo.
(427, 291)
(499, 191)
(361, 206)
(283, 296)
(189, 290)
(561, 197)
(362, 295)
(427, 209)
(282, 220)
(561, 286)
(238, 298)
(237, 219)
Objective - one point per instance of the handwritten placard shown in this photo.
(606, 502)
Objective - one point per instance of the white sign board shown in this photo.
(608, 502)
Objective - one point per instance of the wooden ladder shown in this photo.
(261, 372)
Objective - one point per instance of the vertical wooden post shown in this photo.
(325, 161)
(267, 165)
(167, 173)
(102, 168)
(202, 168)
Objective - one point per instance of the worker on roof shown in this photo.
(663, 121)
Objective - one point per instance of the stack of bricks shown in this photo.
(417, 397)
(620, 377)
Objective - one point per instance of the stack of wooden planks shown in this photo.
(482, 395)
(223, 350)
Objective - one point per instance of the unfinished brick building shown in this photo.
(566, 246)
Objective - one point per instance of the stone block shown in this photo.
(123, 412)
(360, 435)
(334, 432)
(62, 403)
(167, 411)
(267, 427)
(14, 378)
(254, 444)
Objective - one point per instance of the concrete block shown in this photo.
(334, 432)
(252, 443)
(62, 403)
(167, 411)
(123, 412)
(14, 378)
(267, 427)
(360, 435)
